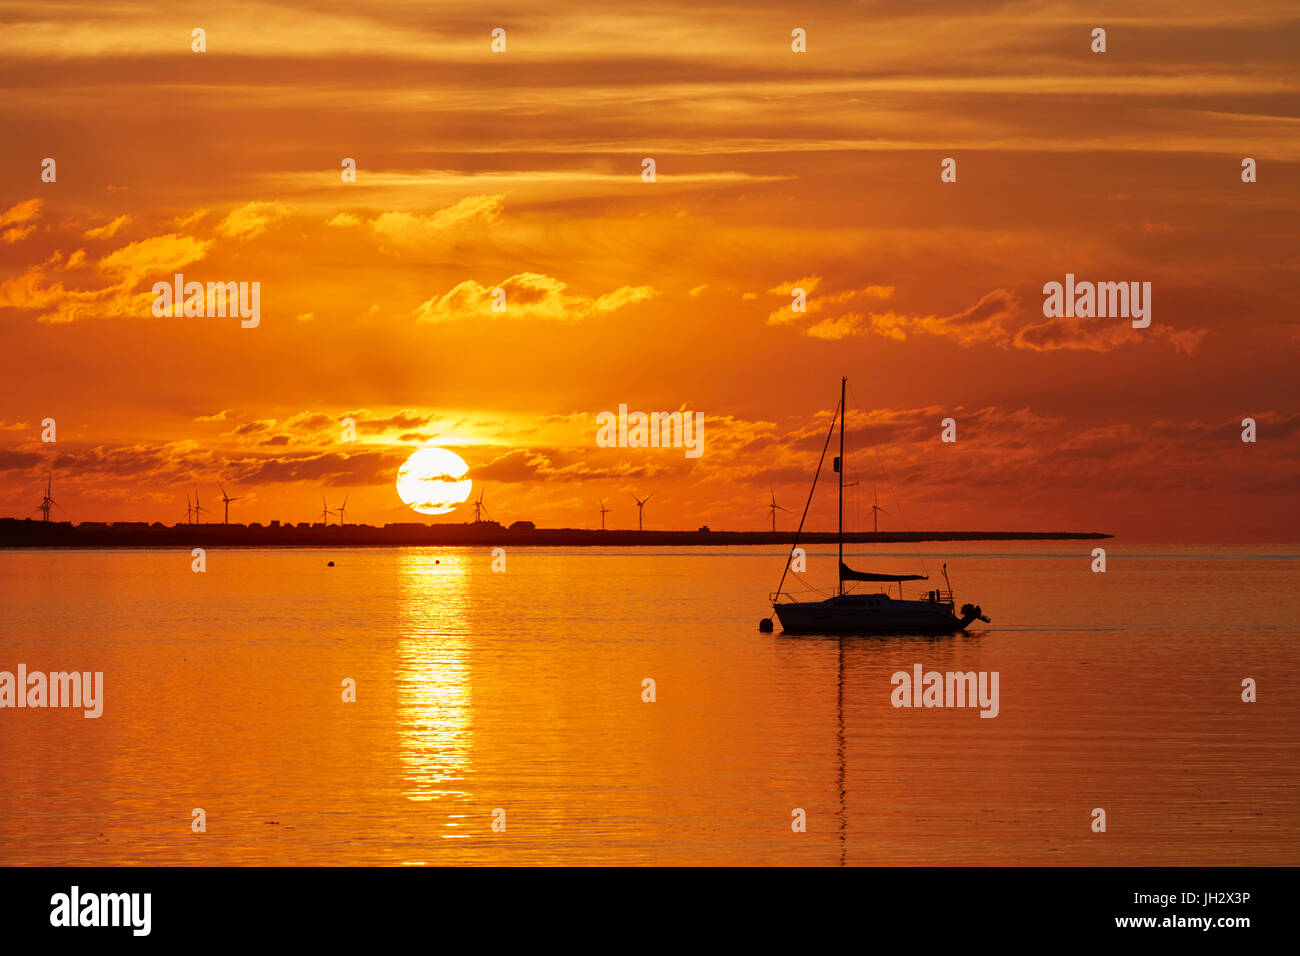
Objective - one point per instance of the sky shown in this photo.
(522, 170)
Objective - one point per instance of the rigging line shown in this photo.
(880, 464)
(811, 587)
(804, 517)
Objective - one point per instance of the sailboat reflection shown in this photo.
(841, 727)
(841, 747)
(434, 711)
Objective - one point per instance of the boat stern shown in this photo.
(970, 613)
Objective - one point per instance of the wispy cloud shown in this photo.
(527, 296)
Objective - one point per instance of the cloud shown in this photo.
(528, 295)
(33, 290)
(990, 320)
(252, 219)
(834, 329)
(404, 228)
(25, 211)
(996, 319)
(253, 428)
(1092, 335)
(20, 219)
(370, 466)
(566, 465)
(315, 427)
(403, 420)
(182, 463)
(11, 459)
(17, 233)
(184, 222)
(109, 229)
(157, 255)
(814, 304)
(312, 421)
(29, 291)
(807, 283)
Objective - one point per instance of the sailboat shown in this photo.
(860, 612)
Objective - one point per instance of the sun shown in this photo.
(432, 481)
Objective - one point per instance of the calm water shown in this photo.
(522, 690)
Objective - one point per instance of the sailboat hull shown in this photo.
(869, 614)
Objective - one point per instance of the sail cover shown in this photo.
(848, 574)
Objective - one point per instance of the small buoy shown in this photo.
(437, 561)
(330, 565)
(765, 625)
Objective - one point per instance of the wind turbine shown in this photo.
(875, 511)
(603, 511)
(47, 500)
(479, 510)
(325, 511)
(774, 508)
(342, 508)
(226, 500)
(640, 507)
(198, 508)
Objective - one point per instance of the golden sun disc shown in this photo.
(432, 481)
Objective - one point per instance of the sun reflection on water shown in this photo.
(434, 697)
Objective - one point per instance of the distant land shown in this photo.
(28, 533)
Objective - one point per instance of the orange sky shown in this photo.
(774, 169)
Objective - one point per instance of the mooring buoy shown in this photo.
(765, 625)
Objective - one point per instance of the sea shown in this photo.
(584, 706)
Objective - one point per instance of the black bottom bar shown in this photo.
(300, 906)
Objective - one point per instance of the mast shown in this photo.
(766, 623)
(839, 467)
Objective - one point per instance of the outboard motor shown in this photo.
(973, 612)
